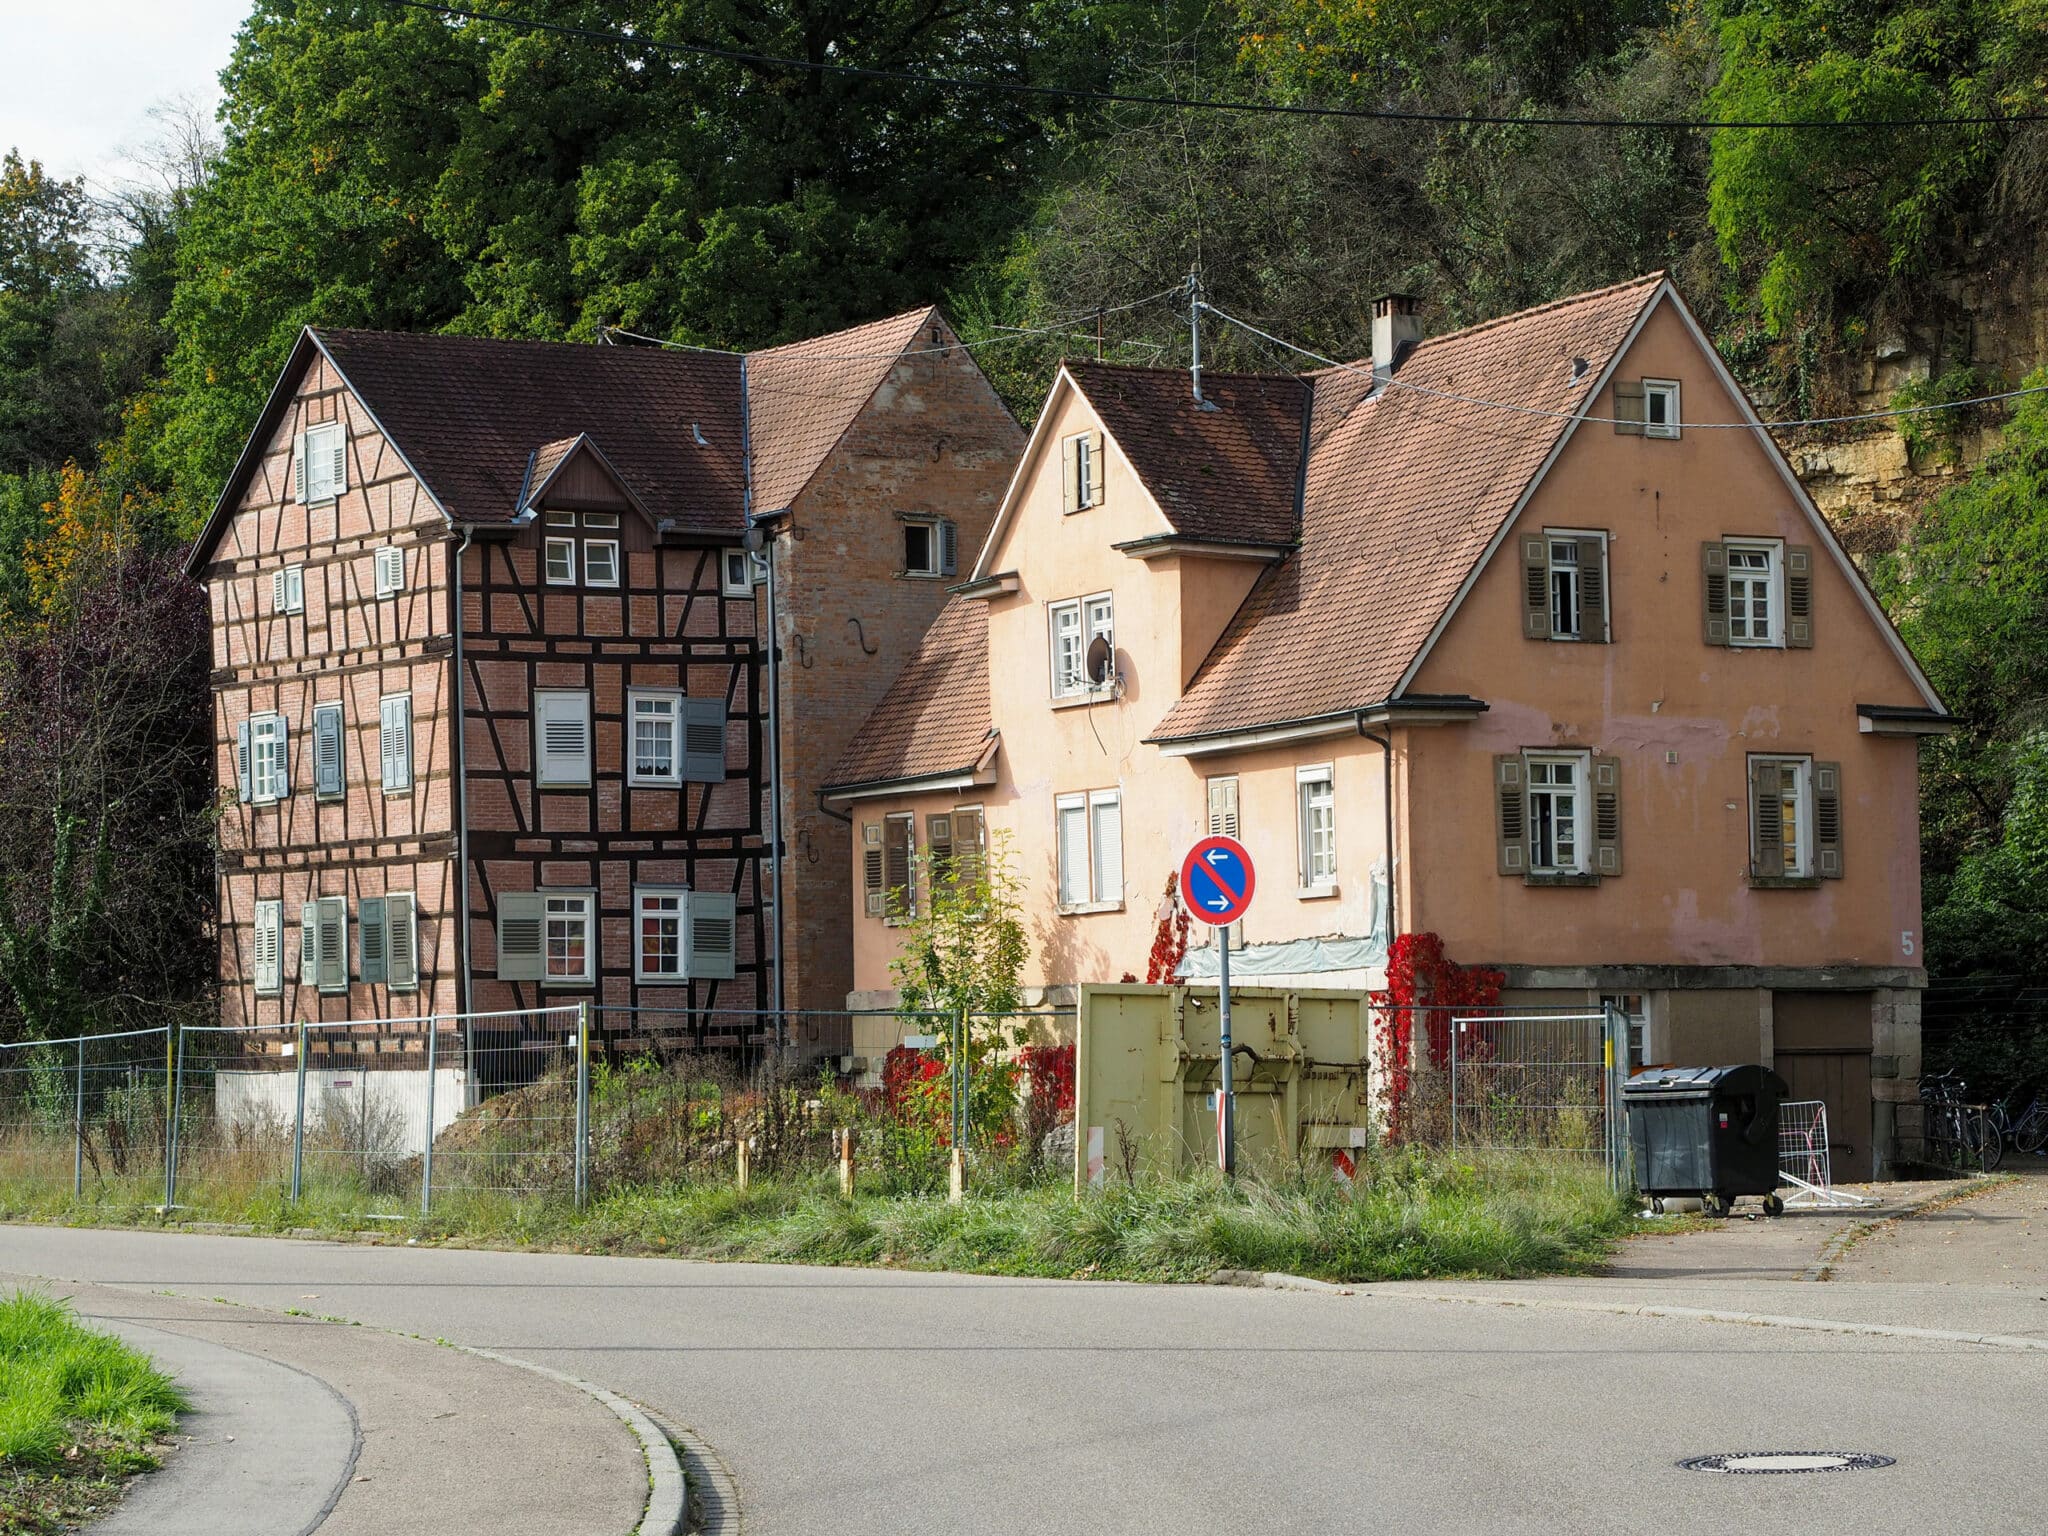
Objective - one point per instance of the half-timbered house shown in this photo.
(491, 664)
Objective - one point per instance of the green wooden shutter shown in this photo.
(402, 941)
(871, 871)
(395, 741)
(1827, 820)
(1593, 590)
(1512, 817)
(703, 741)
(309, 944)
(1607, 815)
(710, 935)
(327, 774)
(333, 944)
(1714, 592)
(522, 952)
(1767, 821)
(1799, 597)
(374, 963)
(1535, 586)
(1630, 412)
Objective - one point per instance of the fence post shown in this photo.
(299, 1119)
(78, 1130)
(427, 1159)
(1617, 1126)
(582, 1102)
(743, 1149)
(844, 1137)
(1452, 1031)
(174, 1064)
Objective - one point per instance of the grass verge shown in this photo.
(1408, 1216)
(79, 1411)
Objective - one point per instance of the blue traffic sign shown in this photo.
(1216, 881)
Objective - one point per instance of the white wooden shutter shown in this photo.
(277, 592)
(1070, 479)
(703, 741)
(1223, 807)
(562, 724)
(327, 770)
(333, 944)
(1095, 461)
(1106, 829)
(375, 957)
(299, 486)
(267, 947)
(395, 741)
(522, 954)
(390, 570)
(710, 935)
(402, 941)
(337, 466)
(242, 761)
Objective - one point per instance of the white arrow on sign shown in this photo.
(1218, 904)
(1217, 858)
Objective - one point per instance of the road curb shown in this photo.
(716, 1509)
(1274, 1280)
(668, 1499)
(1715, 1315)
(1838, 1246)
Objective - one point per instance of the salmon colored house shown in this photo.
(500, 678)
(1525, 635)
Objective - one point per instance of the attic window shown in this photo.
(930, 547)
(1660, 408)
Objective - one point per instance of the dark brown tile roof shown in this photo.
(1229, 473)
(1404, 494)
(935, 717)
(802, 397)
(469, 413)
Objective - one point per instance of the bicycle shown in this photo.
(2026, 1132)
(1958, 1134)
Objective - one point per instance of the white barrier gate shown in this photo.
(1803, 1160)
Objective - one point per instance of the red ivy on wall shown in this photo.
(1423, 982)
(1170, 943)
(1051, 1068)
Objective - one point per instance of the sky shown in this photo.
(82, 75)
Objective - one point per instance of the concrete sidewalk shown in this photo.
(303, 1425)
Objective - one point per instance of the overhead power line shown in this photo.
(1193, 103)
(1395, 381)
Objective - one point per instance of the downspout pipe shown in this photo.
(761, 535)
(458, 802)
(1386, 746)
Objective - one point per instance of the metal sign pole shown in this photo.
(1226, 1100)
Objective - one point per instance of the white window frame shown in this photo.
(1774, 591)
(1581, 764)
(566, 907)
(643, 897)
(1094, 891)
(600, 520)
(1797, 830)
(266, 972)
(390, 570)
(590, 576)
(548, 548)
(267, 738)
(1092, 615)
(541, 776)
(400, 781)
(1667, 391)
(1084, 469)
(935, 563)
(1315, 798)
(672, 699)
(557, 519)
(740, 571)
(317, 449)
(288, 589)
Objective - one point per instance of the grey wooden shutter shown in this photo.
(968, 850)
(1535, 586)
(395, 741)
(871, 869)
(1799, 597)
(1095, 463)
(242, 761)
(562, 724)
(374, 962)
(899, 843)
(1070, 487)
(710, 935)
(267, 947)
(1593, 590)
(299, 469)
(522, 956)
(284, 757)
(703, 741)
(1714, 593)
(1223, 807)
(949, 547)
(1607, 815)
(333, 944)
(1827, 820)
(1512, 817)
(309, 944)
(1630, 411)
(327, 775)
(1767, 819)
(402, 943)
(938, 837)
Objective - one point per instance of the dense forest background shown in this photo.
(377, 164)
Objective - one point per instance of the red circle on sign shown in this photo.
(1198, 862)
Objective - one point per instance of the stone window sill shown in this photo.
(1089, 908)
(1077, 700)
(1784, 882)
(1316, 892)
(1561, 879)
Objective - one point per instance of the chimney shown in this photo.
(1396, 328)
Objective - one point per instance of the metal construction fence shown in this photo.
(1539, 1081)
(385, 1117)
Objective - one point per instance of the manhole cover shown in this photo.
(1786, 1461)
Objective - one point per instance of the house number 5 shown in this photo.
(1906, 941)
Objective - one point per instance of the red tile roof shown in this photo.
(1231, 472)
(1404, 494)
(935, 717)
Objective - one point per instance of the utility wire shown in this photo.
(1397, 382)
(1199, 103)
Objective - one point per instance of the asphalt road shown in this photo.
(859, 1401)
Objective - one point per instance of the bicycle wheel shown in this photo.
(2032, 1134)
(1990, 1143)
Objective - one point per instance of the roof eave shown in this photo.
(1903, 720)
(1159, 546)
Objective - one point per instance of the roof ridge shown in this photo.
(919, 314)
(1278, 375)
(1546, 307)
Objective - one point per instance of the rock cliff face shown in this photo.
(1991, 316)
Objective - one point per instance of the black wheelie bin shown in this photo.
(1706, 1131)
